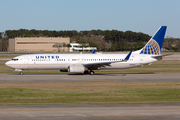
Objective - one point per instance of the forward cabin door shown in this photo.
(26, 62)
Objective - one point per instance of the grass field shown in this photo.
(89, 92)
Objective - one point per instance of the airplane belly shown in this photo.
(48, 66)
(123, 65)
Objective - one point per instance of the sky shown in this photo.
(136, 15)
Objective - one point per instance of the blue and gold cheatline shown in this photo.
(152, 47)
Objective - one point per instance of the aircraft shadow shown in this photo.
(123, 74)
(96, 74)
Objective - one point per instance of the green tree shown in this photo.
(83, 44)
(178, 46)
(138, 45)
(1, 33)
(58, 46)
(99, 38)
(68, 45)
(0, 44)
(5, 43)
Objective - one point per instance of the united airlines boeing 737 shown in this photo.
(86, 63)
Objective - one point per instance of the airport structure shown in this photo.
(37, 44)
(78, 47)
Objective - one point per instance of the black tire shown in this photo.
(91, 72)
(21, 73)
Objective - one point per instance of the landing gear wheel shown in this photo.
(91, 72)
(21, 73)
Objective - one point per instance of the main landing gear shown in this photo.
(91, 72)
(21, 73)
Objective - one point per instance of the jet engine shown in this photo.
(76, 69)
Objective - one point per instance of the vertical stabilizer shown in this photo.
(154, 45)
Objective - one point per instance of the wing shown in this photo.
(97, 65)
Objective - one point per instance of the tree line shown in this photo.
(104, 40)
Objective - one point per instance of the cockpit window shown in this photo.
(14, 59)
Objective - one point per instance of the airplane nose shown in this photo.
(7, 63)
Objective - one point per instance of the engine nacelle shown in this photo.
(76, 69)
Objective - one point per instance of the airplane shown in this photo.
(87, 63)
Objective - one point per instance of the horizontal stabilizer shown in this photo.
(159, 57)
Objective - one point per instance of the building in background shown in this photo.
(37, 44)
(78, 47)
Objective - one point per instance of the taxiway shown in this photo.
(151, 111)
(98, 77)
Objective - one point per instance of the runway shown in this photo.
(147, 111)
(98, 77)
(162, 111)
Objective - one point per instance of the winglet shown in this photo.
(93, 51)
(128, 56)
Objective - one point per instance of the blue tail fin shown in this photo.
(154, 45)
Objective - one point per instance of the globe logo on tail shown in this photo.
(152, 47)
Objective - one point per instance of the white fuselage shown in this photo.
(62, 61)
